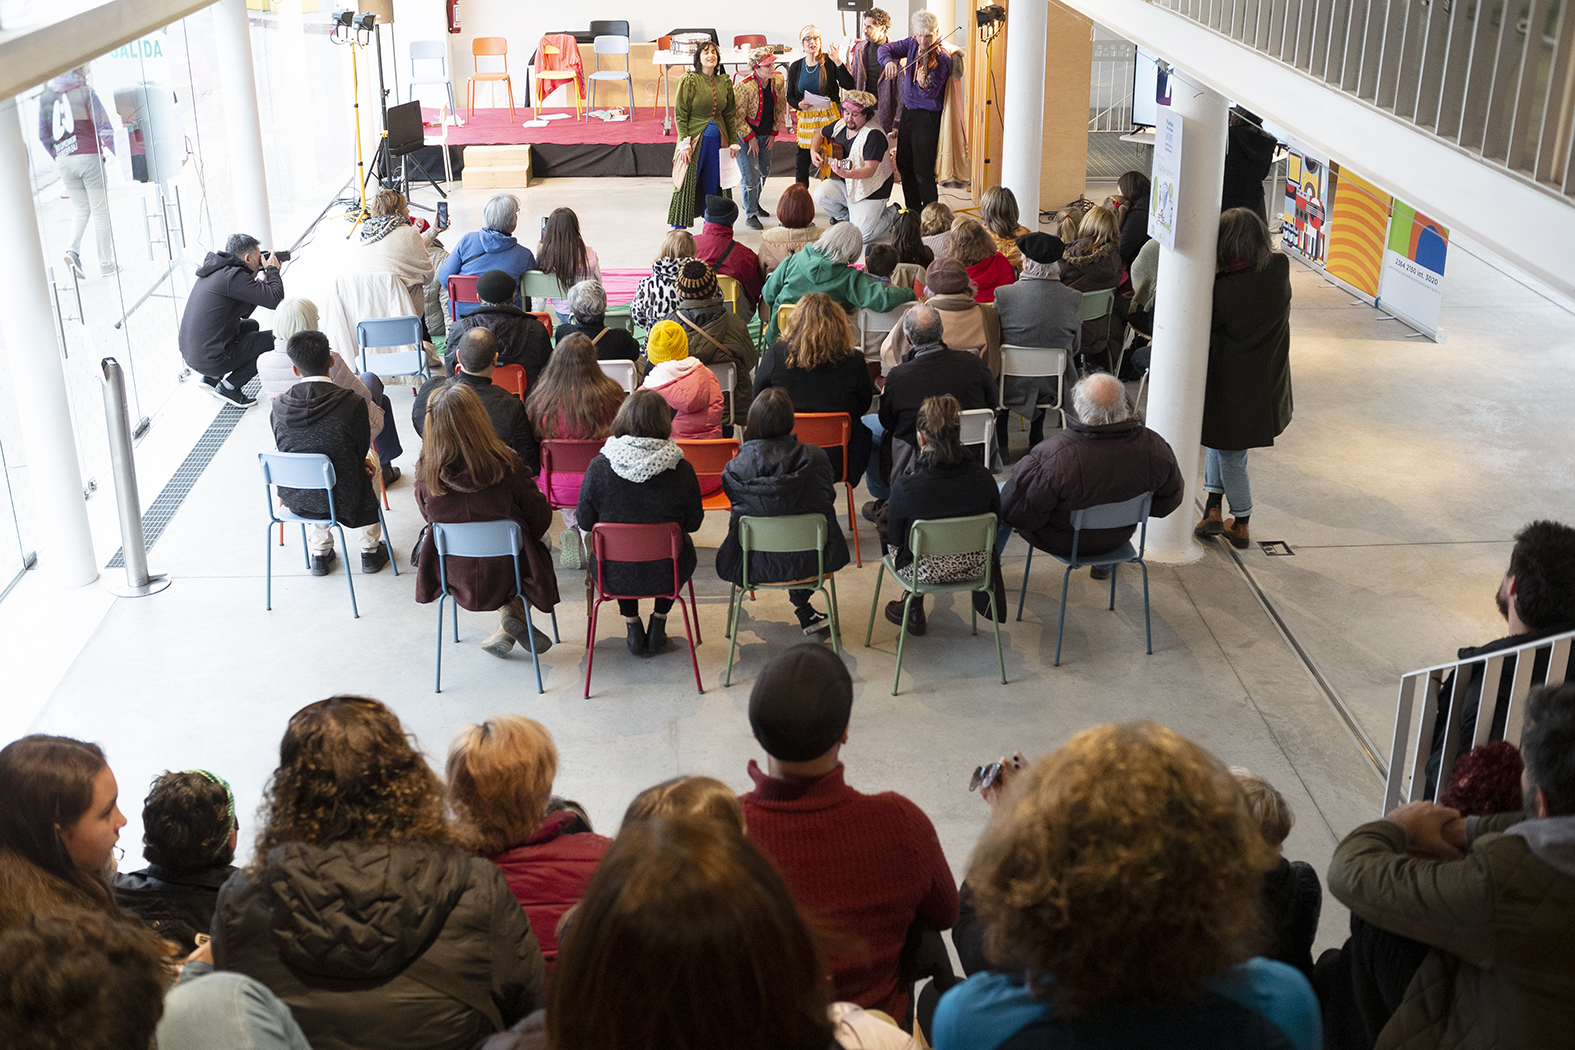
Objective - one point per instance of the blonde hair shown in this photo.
(1099, 226)
(390, 202)
(678, 244)
(1267, 806)
(971, 243)
(817, 332)
(294, 316)
(935, 218)
(500, 777)
(704, 799)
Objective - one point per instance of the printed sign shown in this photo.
(1412, 285)
(1166, 181)
(1306, 185)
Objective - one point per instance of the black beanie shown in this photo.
(496, 286)
(800, 704)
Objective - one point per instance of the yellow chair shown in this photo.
(733, 294)
(483, 47)
(547, 81)
(783, 313)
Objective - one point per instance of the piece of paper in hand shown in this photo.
(817, 101)
(732, 175)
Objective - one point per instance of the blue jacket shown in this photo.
(482, 251)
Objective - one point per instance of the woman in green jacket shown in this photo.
(827, 266)
(707, 121)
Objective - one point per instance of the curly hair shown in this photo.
(1123, 866)
(349, 773)
(186, 822)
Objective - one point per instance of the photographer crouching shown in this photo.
(218, 339)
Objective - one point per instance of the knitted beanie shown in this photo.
(696, 280)
(667, 343)
(801, 703)
(496, 286)
(946, 276)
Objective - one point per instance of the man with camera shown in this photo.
(218, 338)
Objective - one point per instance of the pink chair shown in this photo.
(653, 542)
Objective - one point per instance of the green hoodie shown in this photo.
(810, 271)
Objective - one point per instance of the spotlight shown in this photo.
(344, 16)
(988, 16)
(366, 21)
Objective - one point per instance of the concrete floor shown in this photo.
(1400, 484)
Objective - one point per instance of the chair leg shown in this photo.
(732, 632)
(836, 618)
(268, 549)
(693, 660)
(1113, 570)
(1061, 626)
(354, 612)
(555, 637)
(393, 561)
(1027, 568)
(1148, 626)
(902, 636)
(437, 685)
(880, 574)
(530, 642)
(696, 605)
(590, 646)
(853, 518)
(454, 609)
(996, 623)
(509, 84)
(306, 552)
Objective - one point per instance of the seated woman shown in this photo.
(816, 363)
(564, 254)
(685, 383)
(716, 335)
(641, 477)
(588, 307)
(387, 243)
(948, 483)
(774, 475)
(1093, 263)
(689, 798)
(969, 324)
(998, 209)
(466, 474)
(913, 255)
(975, 247)
(1144, 843)
(827, 266)
(1132, 215)
(796, 213)
(358, 910)
(499, 778)
(935, 227)
(656, 296)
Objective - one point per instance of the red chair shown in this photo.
(461, 289)
(708, 457)
(562, 456)
(832, 430)
(545, 317)
(511, 378)
(628, 543)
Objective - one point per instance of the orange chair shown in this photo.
(485, 47)
(512, 379)
(832, 430)
(708, 457)
(547, 81)
(545, 317)
(462, 289)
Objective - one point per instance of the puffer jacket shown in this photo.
(177, 905)
(691, 390)
(548, 872)
(810, 271)
(772, 478)
(522, 339)
(315, 416)
(354, 937)
(656, 296)
(717, 320)
(1089, 269)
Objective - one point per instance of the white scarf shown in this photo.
(640, 459)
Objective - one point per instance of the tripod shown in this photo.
(359, 211)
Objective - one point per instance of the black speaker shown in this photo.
(855, 5)
(404, 129)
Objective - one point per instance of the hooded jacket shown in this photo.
(691, 390)
(224, 294)
(656, 296)
(642, 481)
(91, 130)
(522, 339)
(773, 478)
(990, 273)
(336, 932)
(811, 271)
(486, 250)
(317, 416)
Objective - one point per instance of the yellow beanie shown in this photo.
(667, 343)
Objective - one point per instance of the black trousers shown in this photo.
(801, 166)
(239, 364)
(631, 606)
(917, 142)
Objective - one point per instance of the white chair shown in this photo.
(727, 378)
(621, 372)
(1035, 362)
(978, 428)
(430, 51)
(873, 327)
(612, 45)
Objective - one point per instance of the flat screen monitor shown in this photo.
(1145, 87)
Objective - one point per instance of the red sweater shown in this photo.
(548, 875)
(861, 867)
(741, 263)
(989, 274)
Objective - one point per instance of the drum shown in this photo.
(689, 43)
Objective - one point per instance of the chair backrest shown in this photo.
(545, 317)
(826, 429)
(478, 539)
(619, 317)
(429, 51)
(551, 49)
(297, 470)
(788, 534)
(750, 40)
(1133, 511)
(483, 46)
(540, 285)
(621, 372)
(664, 43)
(938, 537)
(733, 292)
(569, 455)
(874, 326)
(1098, 304)
(511, 378)
(462, 289)
(615, 542)
(609, 27)
(709, 456)
(388, 331)
(726, 373)
(607, 44)
(1032, 361)
(783, 313)
(978, 426)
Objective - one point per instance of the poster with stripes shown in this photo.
(1358, 224)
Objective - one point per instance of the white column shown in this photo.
(1182, 309)
(945, 13)
(1023, 109)
(38, 375)
(248, 180)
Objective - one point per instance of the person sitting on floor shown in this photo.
(587, 302)
(827, 266)
(477, 356)
(317, 416)
(715, 245)
(493, 247)
(715, 334)
(522, 339)
(687, 385)
(857, 157)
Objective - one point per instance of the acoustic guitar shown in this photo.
(829, 151)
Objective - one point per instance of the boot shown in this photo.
(636, 636)
(656, 635)
(513, 616)
(500, 643)
(916, 619)
(1236, 532)
(1210, 526)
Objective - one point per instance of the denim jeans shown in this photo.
(1226, 471)
(210, 1009)
(878, 488)
(82, 175)
(387, 443)
(756, 167)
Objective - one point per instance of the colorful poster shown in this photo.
(1358, 221)
(1306, 188)
(1166, 180)
(1412, 285)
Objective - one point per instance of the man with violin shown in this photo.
(855, 164)
(923, 92)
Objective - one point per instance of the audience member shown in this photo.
(706, 116)
(714, 334)
(796, 213)
(477, 356)
(316, 416)
(358, 910)
(466, 473)
(522, 339)
(690, 388)
(218, 339)
(761, 100)
(1092, 263)
(1119, 888)
(701, 799)
(868, 866)
(387, 243)
(1037, 310)
(641, 477)
(857, 161)
(775, 475)
(1247, 403)
(189, 831)
(493, 247)
(827, 266)
(1292, 895)
(1137, 312)
(923, 92)
(998, 209)
(816, 363)
(499, 778)
(1132, 215)
(58, 829)
(967, 323)
(656, 296)
(1486, 779)
(867, 72)
(1249, 156)
(588, 308)
(816, 72)
(945, 482)
(913, 255)
(564, 254)
(1105, 455)
(880, 262)
(935, 224)
(208, 1009)
(726, 256)
(975, 247)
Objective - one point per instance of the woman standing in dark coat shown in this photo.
(466, 474)
(818, 366)
(775, 475)
(1247, 403)
(641, 477)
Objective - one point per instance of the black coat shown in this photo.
(1247, 402)
(841, 386)
(1087, 269)
(615, 345)
(960, 373)
(506, 411)
(672, 495)
(224, 294)
(772, 478)
(345, 934)
(836, 78)
(958, 490)
(317, 416)
(1292, 901)
(178, 905)
(1248, 158)
(1134, 233)
(522, 339)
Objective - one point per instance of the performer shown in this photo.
(859, 189)
(707, 121)
(819, 73)
(864, 65)
(929, 67)
(762, 103)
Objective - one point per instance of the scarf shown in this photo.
(375, 229)
(640, 459)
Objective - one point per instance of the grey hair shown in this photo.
(588, 301)
(292, 316)
(501, 212)
(1041, 271)
(842, 243)
(241, 243)
(924, 22)
(922, 325)
(1100, 399)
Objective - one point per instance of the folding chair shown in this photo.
(832, 430)
(392, 331)
(487, 47)
(789, 534)
(631, 543)
(1033, 362)
(1105, 516)
(511, 378)
(461, 289)
(938, 537)
(306, 470)
(430, 51)
(1102, 304)
(609, 44)
(708, 457)
(481, 539)
(621, 372)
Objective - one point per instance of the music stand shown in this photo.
(405, 136)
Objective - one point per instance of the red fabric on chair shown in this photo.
(568, 57)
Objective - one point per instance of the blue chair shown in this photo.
(392, 331)
(481, 539)
(307, 470)
(1105, 516)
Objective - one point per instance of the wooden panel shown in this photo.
(1063, 167)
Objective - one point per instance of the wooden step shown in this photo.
(497, 156)
(496, 178)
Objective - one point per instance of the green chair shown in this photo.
(789, 534)
(1100, 305)
(537, 285)
(937, 537)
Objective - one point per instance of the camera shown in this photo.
(283, 255)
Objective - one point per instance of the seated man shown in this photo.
(1493, 896)
(868, 865)
(715, 245)
(859, 189)
(1105, 455)
(493, 247)
(218, 339)
(522, 339)
(188, 839)
(317, 416)
(478, 359)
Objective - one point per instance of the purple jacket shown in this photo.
(938, 72)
